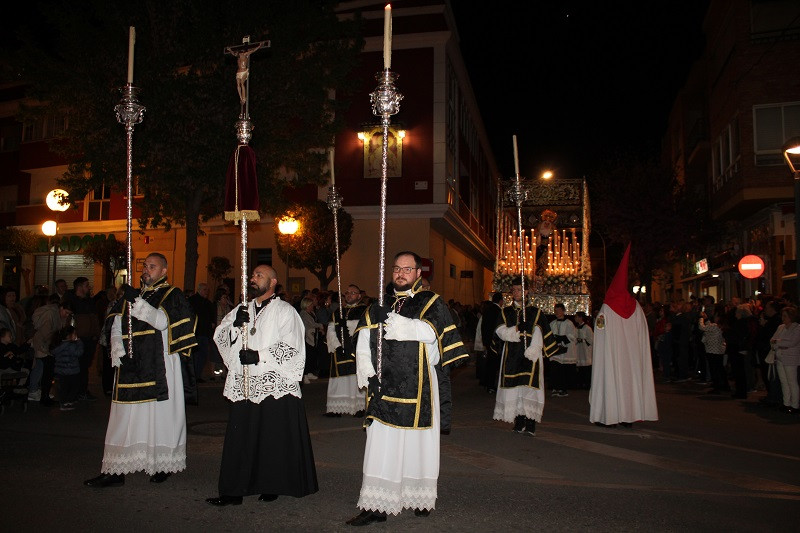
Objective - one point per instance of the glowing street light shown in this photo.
(288, 226)
(791, 152)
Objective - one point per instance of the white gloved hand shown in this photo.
(530, 352)
(364, 369)
(399, 328)
(117, 351)
(143, 311)
(332, 337)
(508, 334)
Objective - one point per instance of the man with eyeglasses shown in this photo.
(344, 396)
(408, 400)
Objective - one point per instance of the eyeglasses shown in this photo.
(404, 270)
(352, 292)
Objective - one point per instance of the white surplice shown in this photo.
(149, 436)
(401, 466)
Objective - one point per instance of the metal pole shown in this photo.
(129, 113)
(797, 235)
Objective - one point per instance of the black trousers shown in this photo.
(89, 346)
(719, 377)
(492, 368)
(267, 449)
(561, 375)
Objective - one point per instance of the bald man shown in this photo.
(267, 448)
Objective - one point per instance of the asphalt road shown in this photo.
(709, 464)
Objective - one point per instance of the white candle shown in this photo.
(516, 156)
(387, 36)
(333, 178)
(131, 42)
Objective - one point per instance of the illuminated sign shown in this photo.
(701, 267)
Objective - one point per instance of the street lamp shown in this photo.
(288, 226)
(791, 152)
(57, 201)
(50, 229)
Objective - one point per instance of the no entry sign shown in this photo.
(751, 266)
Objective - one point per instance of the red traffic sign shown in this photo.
(751, 266)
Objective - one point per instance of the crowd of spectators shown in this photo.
(751, 344)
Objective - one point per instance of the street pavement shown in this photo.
(710, 463)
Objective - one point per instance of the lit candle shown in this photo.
(333, 177)
(516, 156)
(131, 42)
(387, 36)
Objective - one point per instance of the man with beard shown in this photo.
(520, 392)
(147, 424)
(267, 447)
(403, 417)
(344, 396)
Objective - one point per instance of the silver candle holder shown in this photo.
(129, 113)
(385, 102)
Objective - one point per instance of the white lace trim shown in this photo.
(345, 406)
(129, 459)
(510, 405)
(381, 495)
(278, 376)
(260, 386)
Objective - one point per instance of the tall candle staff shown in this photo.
(518, 194)
(385, 103)
(334, 204)
(129, 113)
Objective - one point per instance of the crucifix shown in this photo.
(242, 52)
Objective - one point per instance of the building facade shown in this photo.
(739, 105)
(441, 192)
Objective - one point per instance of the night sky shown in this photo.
(577, 81)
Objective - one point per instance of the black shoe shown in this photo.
(222, 501)
(359, 414)
(626, 424)
(159, 477)
(268, 497)
(106, 480)
(333, 415)
(422, 512)
(519, 424)
(529, 429)
(366, 517)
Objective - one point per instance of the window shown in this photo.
(725, 155)
(773, 124)
(44, 128)
(10, 136)
(99, 203)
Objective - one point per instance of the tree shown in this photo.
(18, 241)
(313, 246)
(75, 58)
(218, 269)
(636, 199)
(110, 253)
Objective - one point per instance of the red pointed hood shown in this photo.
(618, 297)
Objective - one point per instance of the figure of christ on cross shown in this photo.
(243, 53)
